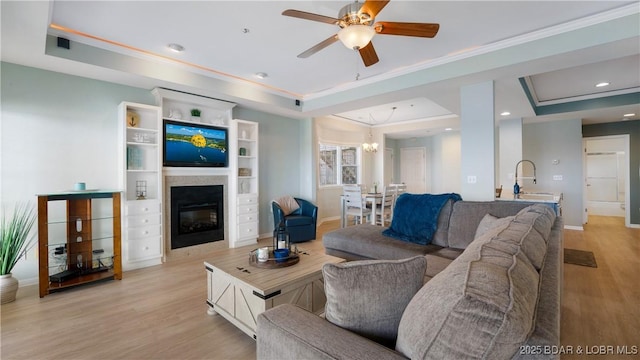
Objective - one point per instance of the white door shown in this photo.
(413, 169)
(606, 176)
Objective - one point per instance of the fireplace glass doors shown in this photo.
(197, 215)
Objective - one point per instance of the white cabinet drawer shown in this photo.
(247, 200)
(140, 249)
(248, 229)
(142, 232)
(143, 220)
(140, 207)
(247, 209)
(245, 218)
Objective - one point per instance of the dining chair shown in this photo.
(384, 210)
(354, 203)
(400, 189)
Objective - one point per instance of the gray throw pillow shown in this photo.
(490, 222)
(368, 297)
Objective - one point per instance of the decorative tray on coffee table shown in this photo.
(272, 262)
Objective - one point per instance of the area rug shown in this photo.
(580, 257)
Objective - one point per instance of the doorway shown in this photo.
(389, 166)
(413, 169)
(606, 165)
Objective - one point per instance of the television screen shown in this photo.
(189, 144)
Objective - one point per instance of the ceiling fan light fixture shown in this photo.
(356, 36)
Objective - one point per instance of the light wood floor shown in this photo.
(601, 306)
(160, 312)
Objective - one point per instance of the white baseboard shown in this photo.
(573, 227)
(331, 218)
(634, 226)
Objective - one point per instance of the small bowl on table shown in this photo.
(281, 255)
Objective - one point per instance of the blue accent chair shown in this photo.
(300, 224)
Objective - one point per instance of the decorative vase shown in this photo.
(8, 288)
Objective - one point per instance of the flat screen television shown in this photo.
(194, 145)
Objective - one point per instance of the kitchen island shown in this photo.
(552, 199)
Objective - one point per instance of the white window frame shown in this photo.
(339, 165)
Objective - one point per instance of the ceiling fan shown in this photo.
(357, 28)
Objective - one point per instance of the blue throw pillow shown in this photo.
(415, 216)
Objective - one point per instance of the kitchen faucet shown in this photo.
(516, 187)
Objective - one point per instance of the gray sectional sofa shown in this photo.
(493, 283)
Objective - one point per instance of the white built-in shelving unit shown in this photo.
(140, 164)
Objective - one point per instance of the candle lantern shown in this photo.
(141, 189)
(281, 237)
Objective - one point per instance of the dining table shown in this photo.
(370, 198)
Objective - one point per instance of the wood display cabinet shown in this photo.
(78, 239)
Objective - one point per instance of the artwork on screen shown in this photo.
(194, 145)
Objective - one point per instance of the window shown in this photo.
(339, 164)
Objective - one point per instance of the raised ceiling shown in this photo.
(556, 47)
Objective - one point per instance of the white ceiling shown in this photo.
(550, 43)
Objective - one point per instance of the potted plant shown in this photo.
(15, 241)
(195, 112)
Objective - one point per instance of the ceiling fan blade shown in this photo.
(368, 54)
(319, 46)
(310, 16)
(373, 7)
(407, 29)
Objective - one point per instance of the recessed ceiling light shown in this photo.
(602, 84)
(261, 75)
(176, 47)
(448, 129)
(505, 113)
(629, 115)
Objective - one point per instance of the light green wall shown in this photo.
(557, 140)
(281, 161)
(477, 131)
(58, 129)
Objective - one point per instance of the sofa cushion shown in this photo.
(367, 241)
(541, 216)
(481, 306)
(491, 223)
(527, 229)
(441, 235)
(415, 216)
(466, 215)
(435, 264)
(368, 297)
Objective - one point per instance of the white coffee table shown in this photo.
(239, 291)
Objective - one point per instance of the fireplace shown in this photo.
(197, 215)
